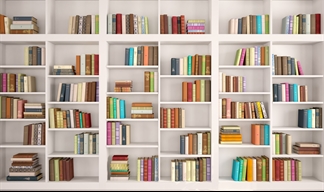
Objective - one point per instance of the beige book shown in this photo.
(79, 92)
(59, 92)
(173, 170)
(24, 173)
(31, 84)
(75, 92)
(188, 170)
(288, 144)
(70, 25)
(193, 170)
(26, 56)
(183, 121)
(128, 134)
(7, 23)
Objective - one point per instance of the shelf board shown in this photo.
(243, 67)
(184, 76)
(21, 120)
(244, 145)
(186, 129)
(136, 145)
(70, 154)
(19, 145)
(132, 93)
(238, 120)
(278, 128)
(72, 103)
(130, 119)
(132, 67)
(298, 103)
(294, 155)
(177, 154)
(53, 38)
(183, 103)
(22, 93)
(73, 76)
(296, 76)
(22, 66)
(73, 129)
(244, 93)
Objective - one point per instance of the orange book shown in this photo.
(77, 65)
(231, 139)
(8, 108)
(184, 91)
(190, 143)
(249, 169)
(197, 82)
(193, 64)
(141, 104)
(255, 134)
(146, 55)
(176, 117)
(231, 135)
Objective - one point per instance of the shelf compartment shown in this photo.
(244, 145)
(19, 145)
(176, 154)
(71, 154)
(135, 145)
(278, 128)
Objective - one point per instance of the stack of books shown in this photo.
(25, 167)
(123, 86)
(230, 134)
(24, 25)
(307, 148)
(63, 70)
(34, 111)
(196, 26)
(142, 110)
(119, 168)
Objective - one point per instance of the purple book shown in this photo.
(149, 169)
(97, 91)
(108, 133)
(4, 82)
(142, 169)
(208, 169)
(292, 169)
(117, 133)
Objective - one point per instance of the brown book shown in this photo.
(306, 148)
(279, 66)
(259, 169)
(194, 143)
(262, 55)
(312, 24)
(131, 23)
(244, 25)
(142, 116)
(208, 64)
(25, 155)
(162, 24)
(201, 170)
(184, 91)
(193, 65)
(207, 90)
(155, 55)
(23, 31)
(61, 169)
(146, 81)
(182, 24)
(51, 170)
(198, 90)
(166, 24)
(205, 143)
(88, 24)
(306, 152)
(284, 62)
(150, 55)
(199, 64)
(190, 143)
(254, 23)
(176, 117)
(196, 64)
(2, 24)
(223, 108)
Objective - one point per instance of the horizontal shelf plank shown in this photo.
(184, 76)
(186, 129)
(20, 145)
(178, 155)
(73, 76)
(132, 93)
(130, 119)
(72, 103)
(296, 76)
(73, 129)
(183, 103)
(22, 93)
(238, 120)
(244, 145)
(294, 155)
(275, 38)
(278, 128)
(70, 154)
(297, 103)
(132, 67)
(21, 120)
(244, 93)
(243, 67)
(22, 66)
(136, 145)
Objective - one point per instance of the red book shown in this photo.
(96, 64)
(172, 118)
(87, 120)
(174, 25)
(120, 157)
(189, 91)
(118, 23)
(317, 23)
(165, 118)
(277, 169)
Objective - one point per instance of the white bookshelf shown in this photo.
(147, 138)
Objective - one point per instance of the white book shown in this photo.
(169, 24)
(263, 24)
(199, 142)
(254, 169)
(7, 23)
(188, 170)
(185, 65)
(273, 141)
(283, 92)
(118, 108)
(59, 92)
(172, 171)
(308, 23)
(71, 92)
(72, 118)
(121, 134)
(84, 84)
(155, 81)
(313, 118)
(123, 24)
(235, 26)
(109, 24)
(248, 24)
(93, 24)
(90, 143)
(252, 56)
(231, 26)
(135, 56)
(288, 144)
(184, 171)
(224, 82)
(82, 64)
(181, 66)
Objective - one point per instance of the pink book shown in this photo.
(287, 92)
(292, 168)
(4, 82)
(149, 169)
(300, 70)
(228, 108)
(242, 56)
(108, 133)
(21, 108)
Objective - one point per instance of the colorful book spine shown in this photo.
(117, 133)
(108, 133)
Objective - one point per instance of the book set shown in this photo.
(18, 25)
(309, 23)
(11, 82)
(166, 89)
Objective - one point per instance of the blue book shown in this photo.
(173, 66)
(258, 24)
(126, 56)
(115, 107)
(266, 134)
(293, 71)
(291, 91)
(279, 92)
(177, 66)
(156, 167)
(309, 118)
(131, 56)
(259, 55)
(122, 109)
(235, 170)
(62, 92)
(67, 92)
(240, 168)
(39, 56)
(123, 134)
(273, 65)
(189, 65)
(295, 92)
(239, 31)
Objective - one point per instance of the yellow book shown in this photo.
(249, 169)
(139, 169)
(259, 110)
(193, 170)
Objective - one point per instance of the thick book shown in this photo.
(25, 178)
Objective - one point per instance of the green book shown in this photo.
(244, 168)
(97, 24)
(80, 114)
(238, 57)
(266, 24)
(151, 81)
(203, 65)
(57, 169)
(277, 144)
(114, 107)
(189, 65)
(202, 90)
(240, 168)
(266, 55)
(263, 169)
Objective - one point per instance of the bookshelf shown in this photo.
(147, 138)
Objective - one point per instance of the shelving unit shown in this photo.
(147, 138)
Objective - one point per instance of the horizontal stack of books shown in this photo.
(142, 110)
(24, 25)
(119, 169)
(123, 86)
(307, 148)
(230, 134)
(63, 70)
(34, 111)
(25, 167)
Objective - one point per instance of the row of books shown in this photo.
(78, 92)
(34, 134)
(142, 110)
(242, 110)
(86, 143)
(286, 169)
(118, 23)
(281, 142)
(150, 81)
(87, 64)
(148, 168)
(302, 24)
(191, 65)
(286, 65)
(11, 82)
(253, 56)
(123, 86)
(18, 25)
(61, 169)
(289, 92)
(141, 55)
(172, 117)
(118, 133)
(197, 91)
(34, 55)
(87, 24)
(197, 169)
(230, 134)
(119, 167)
(178, 25)
(251, 24)
(25, 167)
(232, 83)
(260, 134)
(71, 118)
(12, 107)
(245, 168)
(116, 108)
(196, 143)
(310, 118)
